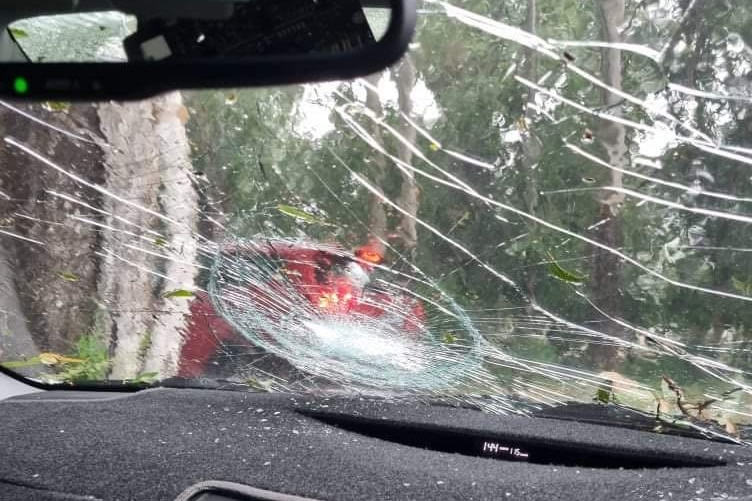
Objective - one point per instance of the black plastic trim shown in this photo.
(538, 450)
(119, 81)
(216, 490)
(116, 386)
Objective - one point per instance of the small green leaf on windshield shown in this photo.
(257, 384)
(605, 393)
(56, 106)
(48, 359)
(742, 286)
(449, 338)
(20, 364)
(434, 147)
(567, 276)
(18, 33)
(160, 242)
(289, 210)
(52, 359)
(603, 396)
(177, 293)
(68, 276)
(146, 377)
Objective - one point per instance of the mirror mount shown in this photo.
(70, 81)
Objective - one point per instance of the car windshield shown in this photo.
(545, 201)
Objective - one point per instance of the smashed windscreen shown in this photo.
(543, 202)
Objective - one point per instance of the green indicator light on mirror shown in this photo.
(21, 85)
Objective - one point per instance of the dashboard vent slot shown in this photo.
(562, 452)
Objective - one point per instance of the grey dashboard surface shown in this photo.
(155, 444)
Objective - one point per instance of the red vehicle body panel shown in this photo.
(317, 274)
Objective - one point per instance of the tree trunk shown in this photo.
(531, 145)
(148, 163)
(16, 342)
(606, 268)
(408, 198)
(377, 221)
(409, 192)
(54, 280)
(612, 134)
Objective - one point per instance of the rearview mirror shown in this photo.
(131, 49)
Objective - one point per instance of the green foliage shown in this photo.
(742, 286)
(91, 349)
(144, 344)
(277, 179)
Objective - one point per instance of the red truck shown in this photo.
(332, 280)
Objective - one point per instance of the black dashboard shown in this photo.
(212, 445)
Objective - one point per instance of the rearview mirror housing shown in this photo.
(193, 44)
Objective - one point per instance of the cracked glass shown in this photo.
(544, 202)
